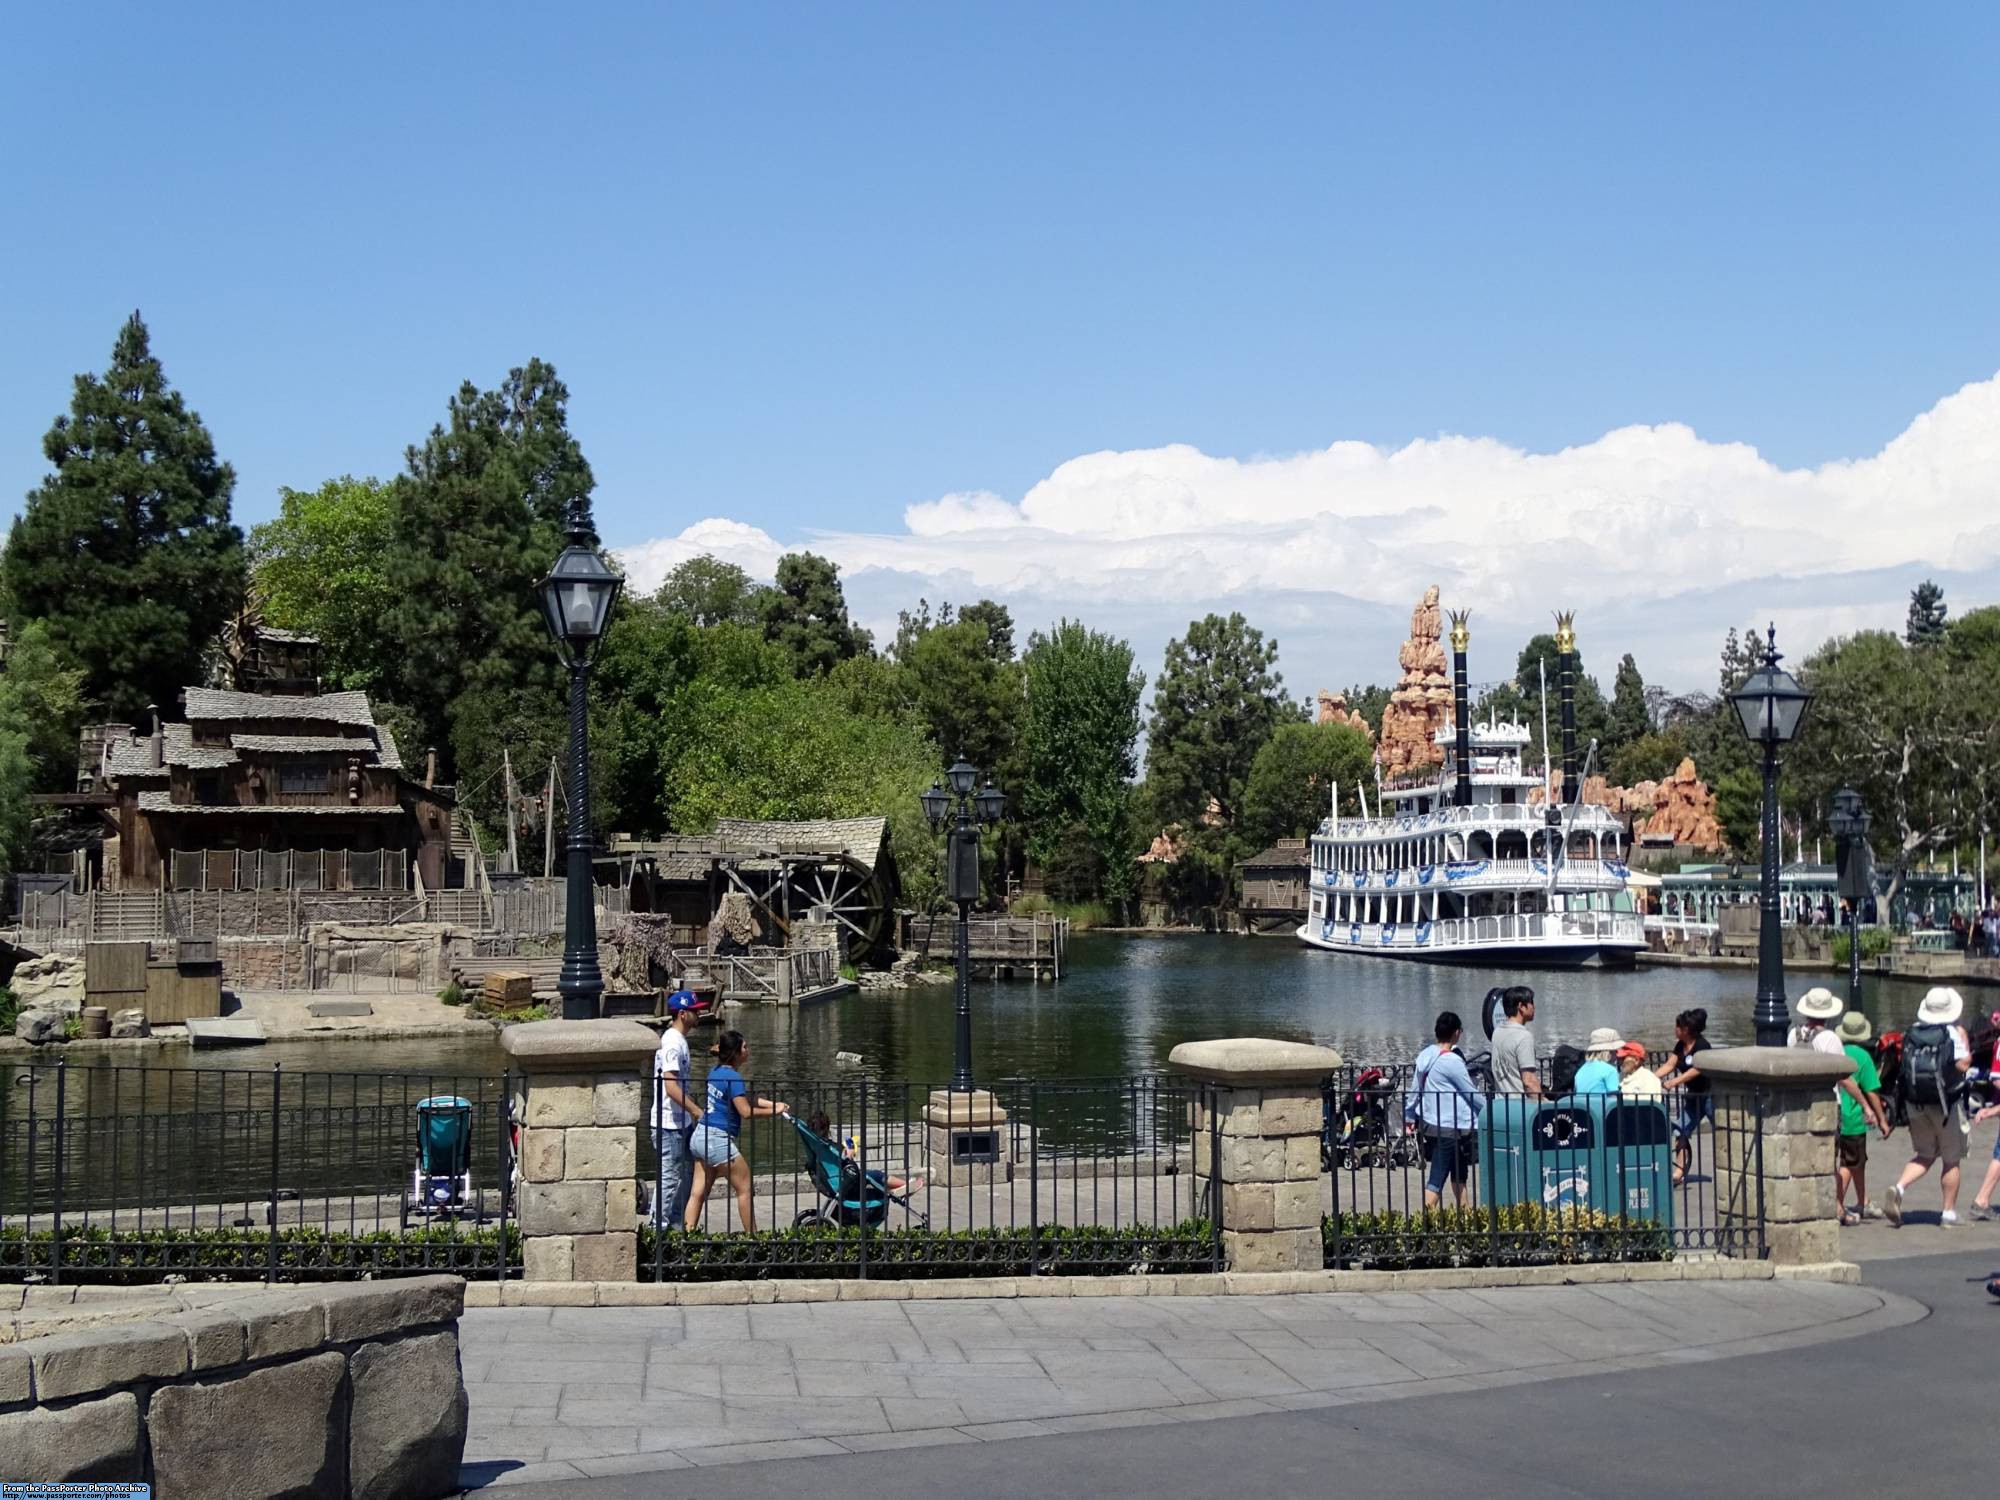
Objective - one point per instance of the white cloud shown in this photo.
(1659, 539)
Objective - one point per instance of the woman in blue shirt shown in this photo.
(1444, 1106)
(1599, 1075)
(729, 1103)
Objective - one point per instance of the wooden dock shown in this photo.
(1032, 946)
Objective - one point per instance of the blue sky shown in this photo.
(806, 267)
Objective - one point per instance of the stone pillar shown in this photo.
(1258, 1127)
(966, 1138)
(1790, 1092)
(581, 1100)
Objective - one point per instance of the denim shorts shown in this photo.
(1694, 1109)
(712, 1145)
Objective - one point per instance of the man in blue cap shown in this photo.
(674, 1111)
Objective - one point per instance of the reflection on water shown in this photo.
(1127, 1001)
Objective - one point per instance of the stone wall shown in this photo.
(353, 1392)
(262, 963)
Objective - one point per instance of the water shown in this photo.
(1127, 1001)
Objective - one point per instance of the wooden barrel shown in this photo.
(96, 1022)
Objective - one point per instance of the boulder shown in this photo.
(407, 1432)
(54, 979)
(1333, 709)
(42, 1024)
(271, 1432)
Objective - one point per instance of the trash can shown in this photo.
(1598, 1151)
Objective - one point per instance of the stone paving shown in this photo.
(559, 1393)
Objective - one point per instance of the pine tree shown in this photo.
(476, 523)
(1629, 718)
(1218, 698)
(126, 550)
(1927, 615)
(806, 613)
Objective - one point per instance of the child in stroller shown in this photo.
(1363, 1129)
(851, 1196)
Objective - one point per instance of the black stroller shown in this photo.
(1364, 1126)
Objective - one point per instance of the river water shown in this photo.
(1126, 1001)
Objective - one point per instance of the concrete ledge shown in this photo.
(578, 1046)
(1791, 1067)
(1246, 1061)
(1205, 1284)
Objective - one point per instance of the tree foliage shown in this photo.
(960, 677)
(1079, 751)
(1218, 697)
(126, 549)
(41, 700)
(806, 614)
(708, 591)
(1925, 625)
(322, 567)
(1292, 777)
(1628, 718)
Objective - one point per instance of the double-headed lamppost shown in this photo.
(1849, 824)
(954, 805)
(1771, 705)
(577, 597)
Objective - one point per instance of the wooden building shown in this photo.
(267, 792)
(1277, 885)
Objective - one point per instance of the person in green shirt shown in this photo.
(1856, 1115)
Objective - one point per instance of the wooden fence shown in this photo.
(1029, 942)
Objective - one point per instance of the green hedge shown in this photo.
(820, 1250)
(134, 1257)
(1522, 1234)
(1875, 941)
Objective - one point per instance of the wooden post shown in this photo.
(549, 825)
(513, 845)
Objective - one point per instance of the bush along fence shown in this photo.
(126, 1175)
(1250, 1155)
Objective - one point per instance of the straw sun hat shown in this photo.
(1821, 1004)
(1941, 1007)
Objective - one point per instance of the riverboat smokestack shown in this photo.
(1566, 662)
(1461, 709)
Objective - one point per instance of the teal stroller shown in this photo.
(441, 1184)
(848, 1196)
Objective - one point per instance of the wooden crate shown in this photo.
(174, 993)
(112, 970)
(508, 987)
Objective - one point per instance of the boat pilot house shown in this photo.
(272, 792)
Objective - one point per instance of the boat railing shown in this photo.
(1478, 873)
(1588, 816)
(1482, 932)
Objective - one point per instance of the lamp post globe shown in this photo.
(577, 597)
(991, 804)
(963, 777)
(1771, 706)
(936, 804)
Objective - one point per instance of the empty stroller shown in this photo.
(848, 1196)
(1362, 1129)
(441, 1184)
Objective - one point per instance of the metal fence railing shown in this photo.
(1058, 1178)
(1422, 1173)
(136, 1174)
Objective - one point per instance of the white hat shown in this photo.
(1604, 1039)
(1821, 1004)
(1941, 1007)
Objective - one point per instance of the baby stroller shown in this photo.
(441, 1184)
(1364, 1126)
(848, 1197)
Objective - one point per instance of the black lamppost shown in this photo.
(1771, 705)
(576, 598)
(954, 805)
(1849, 822)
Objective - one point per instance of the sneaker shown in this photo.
(1982, 1212)
(1892, 1205)
(1872, 1211)
(1948, 1219)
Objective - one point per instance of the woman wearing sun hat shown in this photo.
(1936, 1057)
(1597, 1075)
(1817, 1007)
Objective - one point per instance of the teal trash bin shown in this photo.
(1599, 1151)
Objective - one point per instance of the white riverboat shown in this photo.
(1447, 871)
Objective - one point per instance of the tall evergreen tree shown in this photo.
(806, 613)
(1629, 718)
(476, 523)
(126, 550)
(1218, 698)
(1925, 626)
(1078, 749)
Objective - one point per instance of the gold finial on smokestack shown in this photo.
(1461, 631)
(1565, 631)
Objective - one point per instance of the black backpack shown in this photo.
(1929, 1074)
(1562, 1069)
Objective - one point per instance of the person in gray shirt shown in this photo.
(1515, 1068)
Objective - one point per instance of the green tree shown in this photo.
(322, 567)
(806, 613)
(41, 701)
(1628, 718)
(1739, 808)
(476, 523)
(1079, 739)
(17, 780)
(1218, 698)
(1292, 778)
(1650, 757)
(1370, 702)
(709, 591)
(962, 681)
(1926, 623)
(126, 549)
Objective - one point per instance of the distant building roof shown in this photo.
(1286, 854)
(861, 838)
(324, 708)
(128, 756)
(163, 802)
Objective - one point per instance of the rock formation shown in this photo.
(1683, 810)
(1333, 709)
(1421, 703)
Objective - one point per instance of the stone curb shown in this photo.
(1217, 1284)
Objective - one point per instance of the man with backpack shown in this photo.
(1936, 1057)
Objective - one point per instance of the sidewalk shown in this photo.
(564, 1394)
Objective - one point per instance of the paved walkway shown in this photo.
(564, 1394)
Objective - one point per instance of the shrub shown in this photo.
(1083, 915)
(1874, 943)
(1520, 1234)
(820, 1250)
(10, 1011)
(72, 1028)
(130, 1257)
(452, 994)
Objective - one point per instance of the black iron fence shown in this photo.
(875, 1177)
(1438, 1169)
(117, 1174)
